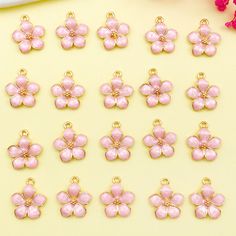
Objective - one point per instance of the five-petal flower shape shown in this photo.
(25, 153)
(161, 38)
(113, 33)
(72, 34)
(166, 203)
(160, 143)
(28, 202)
(204, 41)
(117, 200)
(67, 93)
(156, 91)
(28, 36)
(203, 95)
(117, 145)
(73, 201)
(203, 144)
(207, 202)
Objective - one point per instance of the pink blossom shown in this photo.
(116, 93)
(203, 95)
(221, 4)
(28, 203)
(117, 145)
(71, 145)
(203, 144)
(67, 93)
(113, 33)
(160, 143)
(72, 34)
(167, 203)
(25, 153)
(156, 91)
(73, 201)
(29, 36)
(22, 92)
(232, 23)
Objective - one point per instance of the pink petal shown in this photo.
(82, 29)
(171, 34)
(126, 91)
(155, 151)
(157, 47)
(67, 42)
(204, 30)
(127, 141)
(109, 101)
(27, 27)
(159, 132)
(38, 31)
(59, 144)
(198, 104)
(29, 191)
(123, 154)
(78, 153)
(39, 200)
(67, 210)
(122, 41)
(152, 100)
(18, 163)
(210, 103)
(146, 89)
(33, 88)
(61, 102)
(204, 134)
(35, 149)
(169, 47)
(194, 37)
(24, 143)
(106, 142)
(111, 210)
(103, 32)
(210, 50)
(69, 134)
(66, 155)
(11, 89)
(73, 103)
(151, 36)
(63, 197)
(106, 198)
(155, 81)
(207, 190)
(17, 199)
(14, 151)
(166, 86)
(116, 190)
(112, 23)
(67, 83)
(29, 101)
(177, 199)
(62, 31)
(111, 154)
(79, 42)
(167, 150)
(80, 141)
(71, 23)
(106, 89)
(160, 28)
(84, 198)
(196, 199)
(173, 212)
(124, 210)
(156, 200)
(164, 98)
(193, 93)
(109, 43)
(214, 143)
(21, 212)
(57, 90)
(25, 46)
(214, 212)
(18, 36)
(149, 140)
(170, 138)
(74, 190)
(218, 200)
(31, 162)
(198, 49)
(197, 154)
(214, 91)
(161, 212)
(78, 91)
(16, 100)
(201, 211)
(127, 197)
(123, 29)
(166, 191)
(117, 83)
(116, 134)
(214, 38)
(79, 210)
(37, 43)
(203, 85)
(193, 142)
(210, 155)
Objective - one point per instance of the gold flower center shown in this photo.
(162, 39)
(70, 145)
(204, 95)
(207, 202)
(117, 202)
(167, 202)
(116, 144)
(72, 33)
(28, 202)
(114, 35)
(29, 36)
(205, 41)
(67, 94)
(73, 200)
(115, 93)
(23, 92)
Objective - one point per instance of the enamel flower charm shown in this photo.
(117, 145)
(207, 202)
(22, 92)
(67, 93)
(161, 142)
(166, 203)
(73, 200)
(24, 154)
(204, 41)
(203, 144)
(161, 38)
(29, 36)
(28, 203)
(72, 34)
(116, 94)
(114, 34)
(155, 90)
(117, 201)
(71, 146)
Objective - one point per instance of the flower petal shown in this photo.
(39, 200)
(156, 200)
(27, 27)
(116, 190)
(106, 142)
(18, 36)
(38, 31)
(207, 190)
(21, 212)
(73, 103)
(149, 140)
(210, 103)
(203, 85)
(79, 42)
(35, 149)
(198, 49)
(59, 144)
(57, 90)
(210, 154)
(171, 34)
(29, 101)
(196, 199)
(80, 141)
(155, 151)
(67, 42)
(16, 100)
(82, 29)
(170, 138)
(161, 212)
(151, 36)
(166, 191)
(61, 102)
(214, 212)
(123, 154)
(160, 28)
(218, 200)
(159, 132)
(11, 89)
(62, 31)
(109, 101)
(166, 86)
(37, 43)
(198, 104)
(63, 197)
(123, 29)
(67, 210)
(194, 37)
(79, 210)
(106, 198)
(17, 199)
(18, 163)
(146, 89)
(214, 143)
(14, 151)
(84, 198)
(103, 32)
(78, 153)
(167, 150)
(33, 88)
(214, 38)
(127, 142)
(111, 154)
(31, 162)
(122, 41)
(201, 211)
(66, 155)
(116, 134)
(109, 43)
(78, 91)
(204, 134)
(74, 189)
(106, 89)
(210, 50)
(126, 91)
(112, 23)
(29, 191)
(155, 81)
(111, 210)
(152, 100)
(157, 47)
(127, 197)
(193, 142)
(197, 154)
(177, 199)
(173, 212)
(24, 143)
(25, 46)
(124, 210)
(214, 91)
(193, 93)
(169, 46)
(69, 134)
(164, 98)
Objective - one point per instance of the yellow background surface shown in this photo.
(93, 66)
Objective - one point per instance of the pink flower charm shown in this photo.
(113, 33)
(67, 93)
(72, 34)
(204, 41)
(166, 203)
(117, 200)
(28, 202)
(73, 201)
(24, 154)
(161, 38)
(203, 95)
(116, 93)
(28, 36)
(22, 92)
(117, 145)
(156, 91)
(71, 145)
(203, 144)
(207, 202)
(160, 143)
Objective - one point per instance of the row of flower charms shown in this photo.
(114, 34)
(117, 145)
(117, 201)
(116, 93)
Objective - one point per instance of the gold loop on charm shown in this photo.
(152, 71)
(206, 180)
(110, 14)
(201, 75)
(203, 124)
(159, 19)
(67, 125)
(30, 181)
(116, 180)
(70, 14)
(25, 18)
(75, 180)
(204, 22)
(165, 181)
(23, 72)
(69, 73)
(118, 73)
(116, 124)
(156, 122)
(24, 132)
